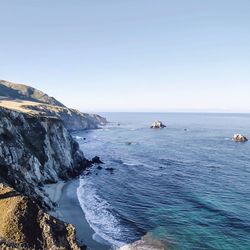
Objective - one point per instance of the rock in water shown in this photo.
(239, 138)
(96, 160)
(157, 124)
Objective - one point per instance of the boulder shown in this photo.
(239, 138)
(157, 124)
(96, 160)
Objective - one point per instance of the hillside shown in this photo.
(25, 99)
(14, 91)
(36, 148)
(24, 226)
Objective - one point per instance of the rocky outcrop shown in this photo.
(23, 225)
(36, 150)
(157, 124)
(73, 119)
(239, 138)
(96, 160)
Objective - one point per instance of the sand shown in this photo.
(69, 210)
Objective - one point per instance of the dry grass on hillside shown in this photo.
(32, 108)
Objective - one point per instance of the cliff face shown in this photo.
(72, 118)
(26, 226)
(25, 99)
(36, 150)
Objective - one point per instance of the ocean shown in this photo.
(187, 185)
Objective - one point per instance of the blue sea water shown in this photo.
(187, 184)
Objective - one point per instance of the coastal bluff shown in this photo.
(36, 148)
(28, 100)
(25, 226)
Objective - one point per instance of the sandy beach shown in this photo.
(69, 210)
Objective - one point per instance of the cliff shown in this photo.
(28, 100)
(36, 148)
(24, 226)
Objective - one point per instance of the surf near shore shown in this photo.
(69, 210)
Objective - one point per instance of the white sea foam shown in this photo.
(78, 137)
(147, 242)
(98, 214)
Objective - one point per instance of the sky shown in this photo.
(130, 55)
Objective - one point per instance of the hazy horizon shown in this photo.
(131, 56)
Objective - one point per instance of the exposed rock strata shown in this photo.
(36, 150)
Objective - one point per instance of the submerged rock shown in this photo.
(157, 124)
(96, 160)
(109, 169)
(239, 138)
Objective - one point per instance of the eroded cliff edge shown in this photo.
(25, 226)
(28, 100)
(36, 148)
(34, 151)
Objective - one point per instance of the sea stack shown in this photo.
(158, 124)
(239, 138)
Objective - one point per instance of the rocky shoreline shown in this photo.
(36, 149)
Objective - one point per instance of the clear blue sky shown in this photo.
(130, 55)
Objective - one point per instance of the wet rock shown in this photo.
(239, 138)
(157, 124)
(96, 160)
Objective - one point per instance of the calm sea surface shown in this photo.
(187, 185)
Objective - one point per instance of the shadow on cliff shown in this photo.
(8, 195)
